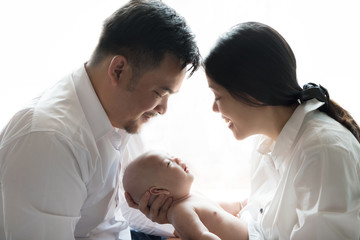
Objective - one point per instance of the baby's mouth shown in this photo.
(185, 168)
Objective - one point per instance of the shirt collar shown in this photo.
(279, 149)
(119, 138)
(94, 112)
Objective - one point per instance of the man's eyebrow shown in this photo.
(168, 90)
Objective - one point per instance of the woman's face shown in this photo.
(243, 120)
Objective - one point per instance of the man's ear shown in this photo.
(118, 69)
(157, 191)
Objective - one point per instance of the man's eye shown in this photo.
(217, 98)
(158, 94)
(169, 163)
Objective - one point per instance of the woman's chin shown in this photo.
(239, 136)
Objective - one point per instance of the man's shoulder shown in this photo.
(56, 110)
(59, 109)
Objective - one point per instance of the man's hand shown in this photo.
(157, 212)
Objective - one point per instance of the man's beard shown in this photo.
(132, 127)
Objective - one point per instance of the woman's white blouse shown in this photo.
(306, 185)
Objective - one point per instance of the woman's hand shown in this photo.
(233, 208)
(157, 212)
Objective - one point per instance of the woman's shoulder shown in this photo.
(320, 133)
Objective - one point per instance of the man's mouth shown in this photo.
(147, 116)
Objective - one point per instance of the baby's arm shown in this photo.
(188, 224)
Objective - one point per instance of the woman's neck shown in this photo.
(279, 116)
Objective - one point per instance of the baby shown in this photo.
(193, 216)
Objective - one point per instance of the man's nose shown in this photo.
(162, 106)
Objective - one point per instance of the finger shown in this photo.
(143, 204)
(156, 206)
(130, 201)
(244, 202)
(176, 234)
(164, 209)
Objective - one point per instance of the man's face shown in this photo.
(149, 96)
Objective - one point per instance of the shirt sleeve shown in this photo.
(328, 195)
(254, 230)
(41, 187)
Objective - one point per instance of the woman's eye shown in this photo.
(217, 99)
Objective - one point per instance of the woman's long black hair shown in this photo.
(254, 63)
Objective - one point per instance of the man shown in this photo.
(61, 157)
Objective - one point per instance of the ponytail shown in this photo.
(335, 111)
(331, 108)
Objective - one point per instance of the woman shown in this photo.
(305, 173)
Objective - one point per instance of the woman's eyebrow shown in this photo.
(213, 88)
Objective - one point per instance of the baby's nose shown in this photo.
(177, 160)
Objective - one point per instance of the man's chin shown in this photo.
(132, 130)
(133, 127)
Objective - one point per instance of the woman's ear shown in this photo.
(157, 191)
(118, 70)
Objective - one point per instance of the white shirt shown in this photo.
(60, 169)
(306, 185)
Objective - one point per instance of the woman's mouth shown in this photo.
(229, 122)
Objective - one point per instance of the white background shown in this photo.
(40, 41)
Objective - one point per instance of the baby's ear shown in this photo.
(157, 191)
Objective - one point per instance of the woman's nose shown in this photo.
(215, 107)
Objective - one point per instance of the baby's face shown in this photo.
(171, 173)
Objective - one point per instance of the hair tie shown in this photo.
(311, 90)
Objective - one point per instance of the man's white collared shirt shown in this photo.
(60, 168)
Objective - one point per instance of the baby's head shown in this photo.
(159, 173)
